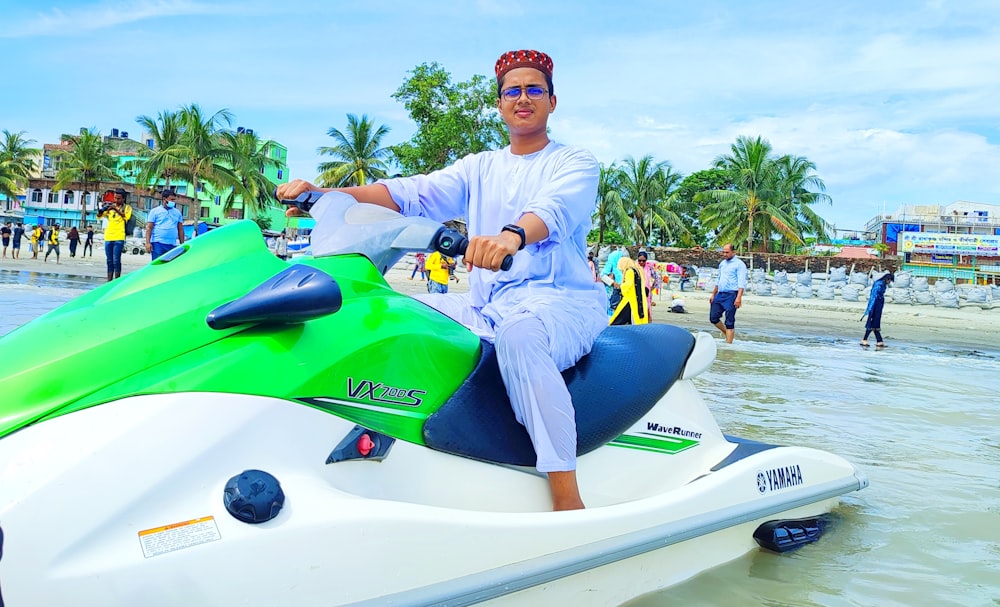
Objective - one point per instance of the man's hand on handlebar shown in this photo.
(488, 252)
(290, 191)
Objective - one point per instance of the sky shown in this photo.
(896, 102)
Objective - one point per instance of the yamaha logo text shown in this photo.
(779, 478)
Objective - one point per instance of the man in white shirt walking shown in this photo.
(727, 296)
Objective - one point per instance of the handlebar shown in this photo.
(451, 243)
(304, 201)
(447, 241)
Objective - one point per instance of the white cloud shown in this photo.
(893, 101)
(85, 19)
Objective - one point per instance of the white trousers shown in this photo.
(534, 342)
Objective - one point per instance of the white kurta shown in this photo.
(545, 312)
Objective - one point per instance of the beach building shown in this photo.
(959, 241)
(11, 209)
(203, 208)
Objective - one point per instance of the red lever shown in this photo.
(365, 445)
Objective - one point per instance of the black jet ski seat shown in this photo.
(627, 372)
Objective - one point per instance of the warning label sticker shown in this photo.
(161, 540)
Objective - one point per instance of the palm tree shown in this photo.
(796, 182)
(736, 214)
(646, 187)
(17, 162)
(87, 160)
(667, 226)
(245, 157)
(610, 210)
(8, 181)
(166, 157)
(359, 157)
(199, 149)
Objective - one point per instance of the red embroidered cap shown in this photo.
(514, 59)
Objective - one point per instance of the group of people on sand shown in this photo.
(42, 238)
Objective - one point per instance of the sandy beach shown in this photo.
(968, 327)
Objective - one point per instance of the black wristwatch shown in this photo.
(517, 230)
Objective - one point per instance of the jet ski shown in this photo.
(225, 427)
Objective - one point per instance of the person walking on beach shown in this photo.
(164, 226)
(53, 242)
(727, 296)
(534, 196)
(5, 234)
(281, 246)
(612, 278)
(117, 212)
(15, 251)
(36, 240)
(437, 271)
(686, 273)
(876, 301)
(632, 308)
(89, 243)
(592, 265)
(419, 266)
(73, 236)
(651, 277)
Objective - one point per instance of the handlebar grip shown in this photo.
(453, 244)
(304, 201)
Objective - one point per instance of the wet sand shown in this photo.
(970, 326)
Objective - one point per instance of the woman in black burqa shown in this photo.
(876, 301)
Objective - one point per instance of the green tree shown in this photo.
(736, 214)
(88, 160)
(646, 188)
(201, 153)
(244, 159)
(263, 222)
(610, 210)
(796, 184)
(359, 157)
(453, 120)
(689, 200)
(166, 158)
(17, 163)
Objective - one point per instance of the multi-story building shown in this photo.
(11, 209)
(202, 209)
(959, 241)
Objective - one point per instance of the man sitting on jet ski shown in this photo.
(536, 197)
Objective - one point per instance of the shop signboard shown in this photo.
(939, 243)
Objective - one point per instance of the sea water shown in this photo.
(921, 422)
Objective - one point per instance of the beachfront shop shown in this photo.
(973, 258)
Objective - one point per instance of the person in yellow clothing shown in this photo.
(36, 241)
(437, 268)
(117, 213)
(632, 309)
(53, 242)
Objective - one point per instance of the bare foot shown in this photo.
(565, 492)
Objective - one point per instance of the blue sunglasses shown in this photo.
(514, 93)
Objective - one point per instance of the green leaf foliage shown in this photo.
(87, 160)
(358, 156)
(17, 163)
(453, 120)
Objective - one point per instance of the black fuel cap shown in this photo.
(254, 496)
